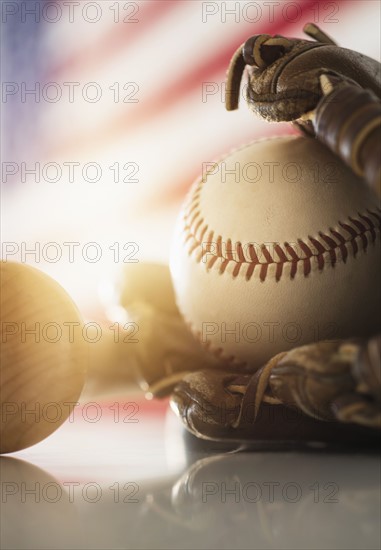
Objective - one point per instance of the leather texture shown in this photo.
(334, 382)
(276, 262)
(285, 84)
(348, 121)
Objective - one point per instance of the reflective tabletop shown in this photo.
(125, 474)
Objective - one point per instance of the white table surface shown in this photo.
(109, 484)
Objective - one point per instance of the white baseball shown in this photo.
(277, 245)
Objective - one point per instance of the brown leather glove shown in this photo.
(330, 382)
(326, 391)
(326, 91)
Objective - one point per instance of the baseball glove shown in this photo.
(323, 391)
(315, 85)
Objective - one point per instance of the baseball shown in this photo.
(277, 245)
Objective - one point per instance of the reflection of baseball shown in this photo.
(277, 245)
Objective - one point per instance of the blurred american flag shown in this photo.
(141, 87)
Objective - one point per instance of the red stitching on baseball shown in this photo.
(326, 247)
(219, 352)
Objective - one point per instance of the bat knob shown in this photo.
(43, 356)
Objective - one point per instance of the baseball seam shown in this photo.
(349, 236)
(328, 247)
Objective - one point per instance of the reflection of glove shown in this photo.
(327, 91)
(269, 498)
